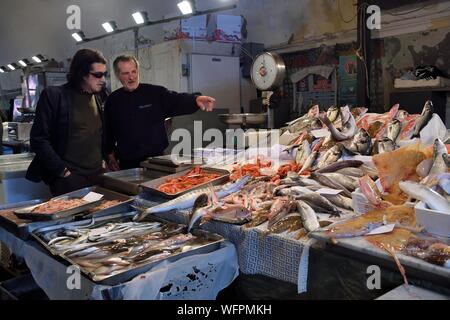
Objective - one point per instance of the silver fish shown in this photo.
(333, 113)
(340, 201)
(319, 203)
(352, 172)
(309, 161)
(331, 156)
(402, 114)
(341, 165)
(326, 181)
(385, 145)
(423, 168)
(439, 165)
(348, 182)
(187, 200)
(444, 182)
(420, 192)
(425, 117)
(348, 122)
(361, 143)
(309, 217)
(446, 160)
(394, 129)
(303, 152)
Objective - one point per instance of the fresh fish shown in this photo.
(309, 161)
(446, 160)
(258, 218)
(187, 200)
(394, 129)
(402, 114)
(309, 183)
(309, 217)
(303, 152)
(340, 201)
(348, 182)
(358, 112)
(276, 216)
(420, 192)
(291, 222)
(439, 165)
(352, 172)
(319, 203)
(333, 113)
(348, 123)
(385, 145)
(361, 143)
(341, 165)
(360, 232)
(331, 156)
(425, 117)
(298, 190)
(326, 181)
(231, 214)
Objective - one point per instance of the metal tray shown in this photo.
(126, 275)
(108, 195)
(127, 181)
(26, 213)
(23, 227)
(152, 185)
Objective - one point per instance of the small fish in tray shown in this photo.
(113, 250)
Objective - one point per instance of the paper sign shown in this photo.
(92, 196)
(329, 191)
(380, 230)
(320, 133)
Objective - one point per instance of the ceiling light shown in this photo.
(11, 67)
(109, 26)
(2, 70)
(22, 63)
(37, 59)
(140, 17)
(185, 7)
(78, 36)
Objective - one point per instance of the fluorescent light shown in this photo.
(1, 70)
(140, 17)
(22, 63)
(185, 7)
(35, 58)
(77, 37)
(109, 26)
(11, 67)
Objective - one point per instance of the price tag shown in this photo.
(380, 230)
(329, 191)
(93, 196)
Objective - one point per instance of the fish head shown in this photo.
(314, 111)
(428, 107)
(362, 136)
(345, 114)
(332, 113)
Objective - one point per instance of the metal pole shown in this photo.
(136, 42)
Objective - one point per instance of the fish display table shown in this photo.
(200, 276)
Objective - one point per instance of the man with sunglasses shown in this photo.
(67, 133)
(135, 115)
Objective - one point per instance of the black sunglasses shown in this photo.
(99, 75)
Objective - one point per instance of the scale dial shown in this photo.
(268, 71)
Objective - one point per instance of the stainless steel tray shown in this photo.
(27, 214)
(214, 242)
(123, 206)
(23, 227)
(152, 185)
(127, 181)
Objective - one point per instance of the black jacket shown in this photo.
(134, 121)
(50, 132)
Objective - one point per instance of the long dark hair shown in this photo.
(81, 65)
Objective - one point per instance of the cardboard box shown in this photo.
(192, 28)
(225, 28)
